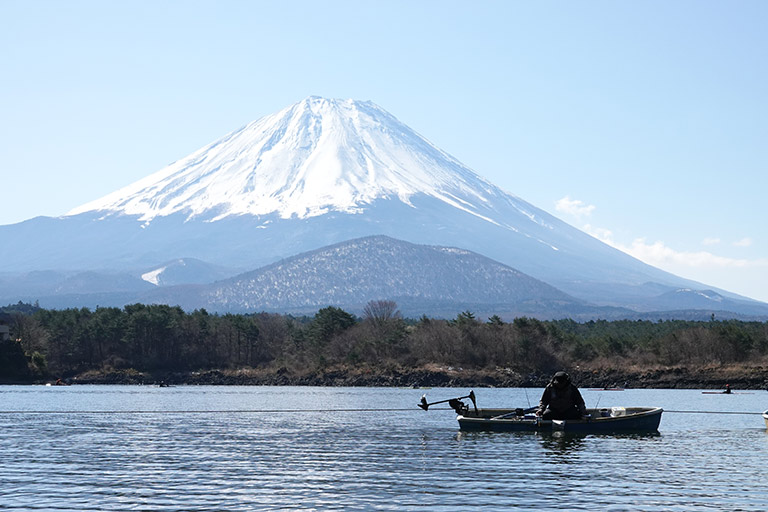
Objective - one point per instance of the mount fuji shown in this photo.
(312, 158)
(317, 173)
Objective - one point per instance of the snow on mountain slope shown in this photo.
(351, 273)
(318, 173)
(153, 276)
(316, 156)
(185, 271)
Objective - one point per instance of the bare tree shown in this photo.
(379, 312)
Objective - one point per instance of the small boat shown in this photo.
(765, 417)
(611, 419)
(726, 393)
(603, 420)
(606, 389)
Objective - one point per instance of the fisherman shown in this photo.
(561, 400)
(727, 389)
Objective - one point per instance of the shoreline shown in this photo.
(738, 377)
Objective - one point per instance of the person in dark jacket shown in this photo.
(561, 400)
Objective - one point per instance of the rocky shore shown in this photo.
(739, 377)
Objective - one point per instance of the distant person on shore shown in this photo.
(561, 400)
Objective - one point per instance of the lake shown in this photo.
(206, 448)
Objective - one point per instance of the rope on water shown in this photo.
(713, 412)
(298, 411)
(224, 411)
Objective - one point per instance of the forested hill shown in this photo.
(151, 342)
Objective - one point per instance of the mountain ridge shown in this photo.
(435, 281)
(438, 279)
(317, 173)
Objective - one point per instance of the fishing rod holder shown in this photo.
(455, 403)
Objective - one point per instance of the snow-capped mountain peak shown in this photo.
(316, 156)
(318, 173)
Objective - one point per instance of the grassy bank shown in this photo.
(739, 377)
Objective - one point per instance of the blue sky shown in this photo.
(643, 123)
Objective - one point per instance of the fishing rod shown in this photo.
(455, 403)
(516, 413)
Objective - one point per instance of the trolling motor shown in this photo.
(455, 403)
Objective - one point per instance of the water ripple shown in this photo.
(356, 461)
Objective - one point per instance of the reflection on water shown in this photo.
(563, 445)
(329, 460)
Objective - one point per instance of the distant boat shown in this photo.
(727, 393)
(765, 417)
(606, 389)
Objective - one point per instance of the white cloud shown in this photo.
(744, 276)
(738, 275)
(659, 254)
(748, 277)
(574, 207)
(602, 234)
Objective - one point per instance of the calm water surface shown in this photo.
(199, 448)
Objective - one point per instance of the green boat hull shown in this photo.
(616, 419)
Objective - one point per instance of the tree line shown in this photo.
(159, 338)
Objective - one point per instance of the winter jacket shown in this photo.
(562, 400)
